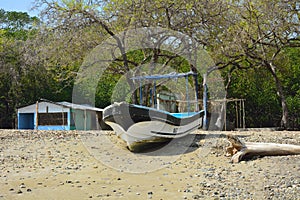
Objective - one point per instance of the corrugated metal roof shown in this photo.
(31, 108)
(79, 106)
(43, 107)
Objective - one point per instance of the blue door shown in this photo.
(26, 121)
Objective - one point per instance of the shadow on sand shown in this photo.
(184, 145)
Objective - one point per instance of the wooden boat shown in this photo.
(140, 126)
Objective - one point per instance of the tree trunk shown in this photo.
(133, 89)
(285, 113)
(238, 149)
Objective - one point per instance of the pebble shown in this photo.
(196, 196)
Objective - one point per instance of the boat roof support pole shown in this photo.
(141, 93)
(187, 93)
(205, 125)
(196, 91)
(154, 95)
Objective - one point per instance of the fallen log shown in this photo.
(239, 149)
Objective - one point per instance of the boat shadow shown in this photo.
(190, 143)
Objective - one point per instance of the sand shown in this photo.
(97, 165)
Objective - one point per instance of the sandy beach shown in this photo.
(97, 165)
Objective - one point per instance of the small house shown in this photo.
(46, 115)
(166, 101)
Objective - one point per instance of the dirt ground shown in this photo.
(97, 165)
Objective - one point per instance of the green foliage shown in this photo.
(257, 88)
(291, 82)
(17, 24)
(105, 89)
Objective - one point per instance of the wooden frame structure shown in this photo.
(239, 113)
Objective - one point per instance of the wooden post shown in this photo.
(240, 113)
(225, 113)
(63, 118)
(236, 114)
(97, 121)
(85, 120)
(36, 115)
(244, 115)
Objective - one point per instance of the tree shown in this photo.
(17, 24)
(69, 15)
(253, 34)
(291, 83)
(257, 88)
(20, 82)
(81, 16)
(238, 34)
(261, 32)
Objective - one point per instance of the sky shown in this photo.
(18, 5)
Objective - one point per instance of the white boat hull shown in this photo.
(152, 132)
(137, 132)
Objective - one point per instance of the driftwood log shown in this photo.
(238, 149)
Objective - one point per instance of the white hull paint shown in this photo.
(152, 131)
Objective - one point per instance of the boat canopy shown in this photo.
(175, 75)
(172, 75)
(164, 76)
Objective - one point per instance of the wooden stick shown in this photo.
(239, 149)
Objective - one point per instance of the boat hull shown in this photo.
(140, 126)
